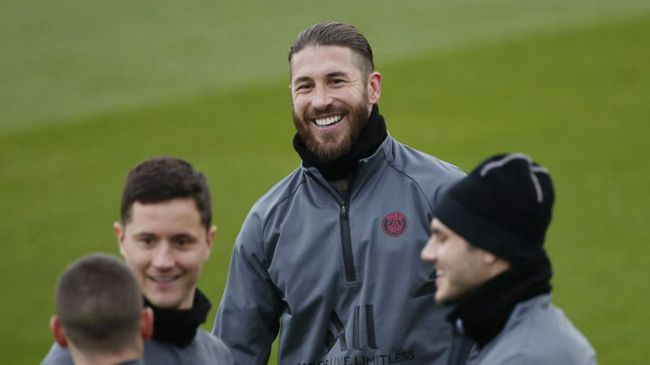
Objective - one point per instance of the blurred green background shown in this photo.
(88, 89)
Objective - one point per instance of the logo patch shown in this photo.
(394, 224)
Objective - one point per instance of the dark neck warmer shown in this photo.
(179, 326)
(370, 138)
(483, 313)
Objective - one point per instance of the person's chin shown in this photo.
(164, 300)
(444, 299)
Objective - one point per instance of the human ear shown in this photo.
(57, 331)
(146, 323)
(488, 257)
(119, 234)
(212, 233)
(374, 87)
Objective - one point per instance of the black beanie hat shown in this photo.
(503, 206)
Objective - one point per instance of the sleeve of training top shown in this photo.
(248, 316)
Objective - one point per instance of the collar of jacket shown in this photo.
(369, 140)
(484, 312)
(178, 326)
(367, 167)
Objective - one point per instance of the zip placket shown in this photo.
(344, 223)
(346, 243)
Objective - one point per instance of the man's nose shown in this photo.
(429, 252)
(321, 98)
(163, 257)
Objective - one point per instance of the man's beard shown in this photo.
(356, 118)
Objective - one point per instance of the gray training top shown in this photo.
(537, 333)
(205, 349)
(339, 276)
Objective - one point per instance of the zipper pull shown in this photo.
(344, 211)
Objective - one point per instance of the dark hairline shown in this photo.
(330, 33)
(127, 219)
(358, 59)
(162, 179)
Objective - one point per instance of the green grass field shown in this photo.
(88, 90)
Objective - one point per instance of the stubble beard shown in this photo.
(329, 149)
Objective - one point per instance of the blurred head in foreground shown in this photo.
(99, 312)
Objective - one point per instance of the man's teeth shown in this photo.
(163, 279)
(323, 122)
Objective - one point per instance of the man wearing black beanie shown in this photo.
(487, 247)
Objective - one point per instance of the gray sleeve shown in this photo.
(248, 316)
(225, 355)
(57, 356)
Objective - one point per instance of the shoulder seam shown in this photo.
(390, 163)
(272, 208)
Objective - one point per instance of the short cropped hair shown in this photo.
(99, 304)
(161, 179)
(336, 34)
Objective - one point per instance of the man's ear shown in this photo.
(488, 257)
(57, 331)
(212, 233)
(374, 87)
(146, 323)
(119, 234)
(495, 264)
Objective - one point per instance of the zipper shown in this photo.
(344, 223)
(346, 244)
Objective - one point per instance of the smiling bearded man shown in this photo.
(329, 128)
(328, 257)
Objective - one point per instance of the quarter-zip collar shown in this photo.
(179, 326)
(370, 138)
(367, 167)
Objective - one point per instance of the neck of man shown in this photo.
(84, 358)
(485, 310)
(341, 185)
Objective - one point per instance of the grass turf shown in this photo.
(72, 57)
(576, 100)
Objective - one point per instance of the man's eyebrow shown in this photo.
(301, 79)
(184, 235)
(337, 74)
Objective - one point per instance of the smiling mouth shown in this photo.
(327, 121)
(162, 279)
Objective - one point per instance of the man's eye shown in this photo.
(302, 87)
(338, 81)
(182, 241)
(147, 240)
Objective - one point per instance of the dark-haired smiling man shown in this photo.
(165, 236)
(328, 257)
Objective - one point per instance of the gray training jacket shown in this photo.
(340, 276)
(537, 333)
(205, 349)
